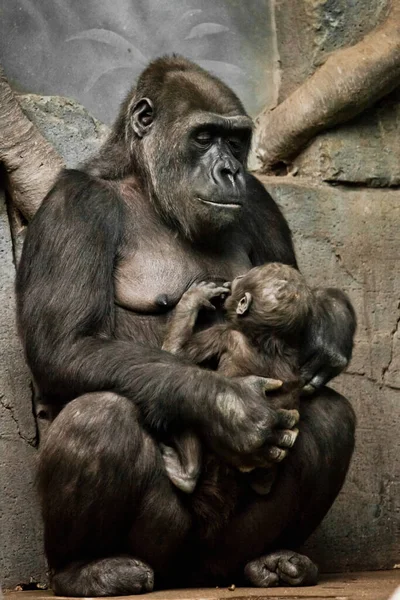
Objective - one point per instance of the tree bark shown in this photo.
(31, 162)
(348, 82)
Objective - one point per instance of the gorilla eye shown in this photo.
(203, 139)
(235, 145)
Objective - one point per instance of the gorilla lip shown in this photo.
(221, 204)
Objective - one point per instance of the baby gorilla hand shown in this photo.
(199, 295)
(246, 430)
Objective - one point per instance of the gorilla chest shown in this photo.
(153, 277)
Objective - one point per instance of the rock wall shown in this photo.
(347, 235)
(349, 238)
(21, 547)
(76, 135)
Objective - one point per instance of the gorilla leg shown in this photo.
(315, 471)
(307, 483)
(108, 506)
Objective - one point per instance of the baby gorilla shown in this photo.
(266, 313)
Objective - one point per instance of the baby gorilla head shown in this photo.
(271, 297)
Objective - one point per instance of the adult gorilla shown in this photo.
(168, 202)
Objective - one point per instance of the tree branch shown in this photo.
(348, 82)
(31, 162)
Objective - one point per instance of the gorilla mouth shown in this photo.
(220, 204)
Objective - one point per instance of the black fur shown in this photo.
(109, 240)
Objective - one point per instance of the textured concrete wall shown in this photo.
(76, 135)
(349, 238)
(347, 235)
(308, 30)
(21, 552)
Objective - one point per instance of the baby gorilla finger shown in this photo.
(205, 303)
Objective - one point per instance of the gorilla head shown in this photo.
(187, 136)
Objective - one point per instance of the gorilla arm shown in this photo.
(329, 341)
(65, 290)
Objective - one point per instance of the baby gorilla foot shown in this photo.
(283, 567)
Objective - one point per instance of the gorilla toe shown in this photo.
(281, 568)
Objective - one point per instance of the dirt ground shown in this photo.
(378, 585)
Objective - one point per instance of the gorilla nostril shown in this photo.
(229, 173)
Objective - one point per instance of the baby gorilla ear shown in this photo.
(142, 117)
(244, 304)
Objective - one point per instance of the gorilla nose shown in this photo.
(227, 173)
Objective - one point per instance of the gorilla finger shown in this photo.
(220, 291)
(260, 385)
(272, 384)
(227, 285)
(286, 438)
(287, 419)
(307, 390)
(322, 377)
(244, 469)
(207, 304)
(313, 366)
(275, 454)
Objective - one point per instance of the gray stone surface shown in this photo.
(21, 552)
(364, 151)
(76, 135)
(70, 128)
(308, 30)
(349, 238)
(66, 124)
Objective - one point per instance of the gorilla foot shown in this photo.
(116, 576)
(283, 567)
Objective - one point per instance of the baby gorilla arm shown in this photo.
(183, 320)
(182, 459)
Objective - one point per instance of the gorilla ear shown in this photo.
(142, 117)
(244, 304)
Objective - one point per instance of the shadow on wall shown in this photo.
(93, 51)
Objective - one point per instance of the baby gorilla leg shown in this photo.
(182, 461)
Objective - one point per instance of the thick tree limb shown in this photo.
(350, 80)
(31, 162)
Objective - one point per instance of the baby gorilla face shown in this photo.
(273, 295)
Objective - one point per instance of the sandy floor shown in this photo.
(378, 585)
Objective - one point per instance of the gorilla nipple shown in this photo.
(163, 302)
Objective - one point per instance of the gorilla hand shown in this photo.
(245, 430)
(329, 341)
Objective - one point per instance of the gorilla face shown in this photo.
(218, 152)
(194, 142)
